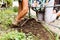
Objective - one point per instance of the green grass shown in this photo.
(6, 17)
(15, 35)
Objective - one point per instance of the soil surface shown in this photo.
(37, 29)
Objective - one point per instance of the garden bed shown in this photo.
(36, 28)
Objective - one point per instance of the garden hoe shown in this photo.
(27, 18)
(20, 7)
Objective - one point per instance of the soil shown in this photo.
(37, 29)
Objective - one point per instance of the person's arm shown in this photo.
(24, 10)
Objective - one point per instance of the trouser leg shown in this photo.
(40, 16)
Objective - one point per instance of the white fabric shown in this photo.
(49, 15)
(53, 17)
(15, 3)
(33, 14)
(40, 16)
(33, 5)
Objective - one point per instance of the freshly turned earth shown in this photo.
(37, 29)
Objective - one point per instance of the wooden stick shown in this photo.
(24, 22)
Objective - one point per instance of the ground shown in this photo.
(37, 29)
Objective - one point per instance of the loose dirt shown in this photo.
(37, 29)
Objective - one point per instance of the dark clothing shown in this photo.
(3, 5)
(56, 8)
(19, 0)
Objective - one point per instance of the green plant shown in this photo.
(15, 9)
(6, 17)
(13, 35)
(30, 36)
(8, 11)
(9, 2)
